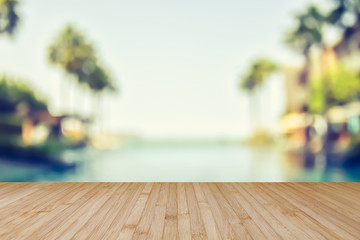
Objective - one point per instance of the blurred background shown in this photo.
(180, 91)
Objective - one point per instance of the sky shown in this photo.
(177, 63)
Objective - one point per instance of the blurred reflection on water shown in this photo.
(183, 163)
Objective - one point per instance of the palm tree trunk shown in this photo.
(62, 96)
(254, 112)
(96, 109)
(304, 77)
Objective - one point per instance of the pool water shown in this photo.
(182, 163)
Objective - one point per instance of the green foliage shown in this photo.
(344, 85)
(76, 56)
(72, 52)
(257, 74)
(333, 88)
(309, 30)
(15, 92)
(12, 146)
(337, 15)
(8, 16)
(99, 80)
(317, 101)
(261, 137)
(346, 17)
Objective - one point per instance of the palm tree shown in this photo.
(254, 78)
(8, 16)
(308, 33)
(73, 53)
(100, 82)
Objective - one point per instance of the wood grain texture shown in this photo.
(179, 211)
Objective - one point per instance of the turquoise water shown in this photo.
(203, 163)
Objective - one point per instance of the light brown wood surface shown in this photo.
(180, 211)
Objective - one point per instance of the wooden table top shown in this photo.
(180, 210)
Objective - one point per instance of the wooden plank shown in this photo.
(285, 218)
(170, 228)
(7, 188)
(112, 222)
(184, 227)
(136, 213)
(348, 195)
(211, 228)
(196, 223)
(157, 225)
(345, 187)
(14, 208)
(36, 206)
(71, 225)
(91, 226)
(179, 211)
(247, 203)
(53, 225)
(253, 229)
(332, 201)
(142, 228)
(343, 221)
(221, 220)
(303, 221)
(300, 202)
(231, 216)
(37, 222)
(18, 193)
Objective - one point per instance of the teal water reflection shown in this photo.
(203, 163)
